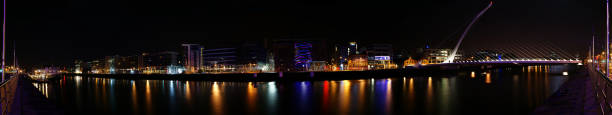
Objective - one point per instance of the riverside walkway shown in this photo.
(577, 96)
(20, 97)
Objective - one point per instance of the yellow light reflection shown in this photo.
(389, 101)
(148, 98)
(334, 91)
(411, 93)
(251, 98)
(488, 78)
(216, 99)
(362, 96)
(411, 88)
(345, 97)
(429, 95)
(134, 98)
(187, 92)
(473, 75)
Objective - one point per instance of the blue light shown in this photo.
(302, 55)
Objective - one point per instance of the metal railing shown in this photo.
(7, 94)
(603, 90)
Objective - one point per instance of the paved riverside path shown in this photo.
(575, 97)
(29, 101)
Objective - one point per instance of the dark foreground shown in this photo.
(575, 97)
(516, 90)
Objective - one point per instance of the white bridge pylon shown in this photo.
(451, 57)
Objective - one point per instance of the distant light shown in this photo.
(565, 73)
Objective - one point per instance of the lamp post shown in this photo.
(3, 36)
(607, 38)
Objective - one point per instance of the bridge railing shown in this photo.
(7, 94)
(603, 90)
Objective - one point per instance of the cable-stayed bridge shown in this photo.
(509, 52)
(519, 52)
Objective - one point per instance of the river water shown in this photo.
(498, 91)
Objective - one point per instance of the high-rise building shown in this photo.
(352, 48)
(298, 54)
(341, 54)
(303, 57)
(193, 57)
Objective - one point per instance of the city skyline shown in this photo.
(446, 57)
(83, 29)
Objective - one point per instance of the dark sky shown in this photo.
(59, 31)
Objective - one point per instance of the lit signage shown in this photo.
(382, 58)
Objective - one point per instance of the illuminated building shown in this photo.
(245, 58)
(220, 59)
(358, 62)
(410, 62)
(128, 64)
(78, 66)
(95, 67)
(193, 57)
(318, 66)
(47, 70)
(352, 48)
(424, 62)
(303, 56)
(380, 56)
(435, 56)
(298, 54)
(342, 52)
(252, 57)
(161, 63)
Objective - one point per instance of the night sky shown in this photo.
(55, 32)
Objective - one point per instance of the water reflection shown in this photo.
(429, 97)
(488, 78)
(134, 97)
(272, 97)
(345, 97)
(149, 101)
(251, 98)
(43, 88)
(473, 74)
(217, 104)
(505, 90)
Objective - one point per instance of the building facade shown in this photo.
(220, 59)
(193, 57)
(436, 56)
(380, 56)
